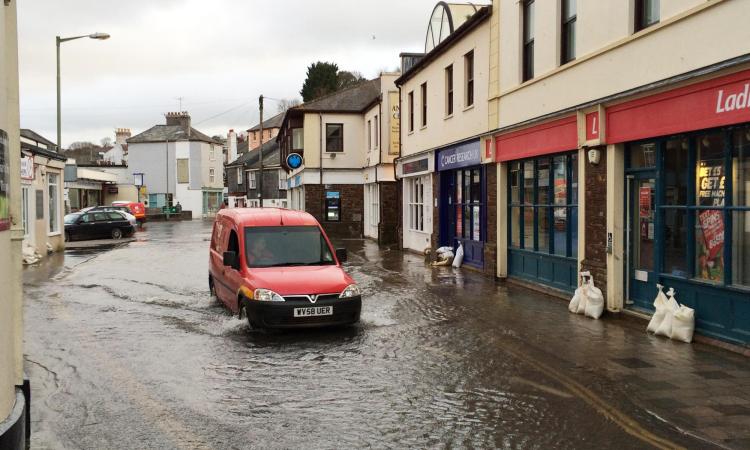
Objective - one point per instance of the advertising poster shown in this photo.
(4, 182)
(395, 132)
(710, 253)
(645, 202)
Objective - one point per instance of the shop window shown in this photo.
(741, 199)
(676, 171)
(416, 203)
(544, 215)
(528, 40)
(643, 156)
(333, 206)
(568, 31)
(647, 13)
(54, 191)
(675, 242)
(334, 137)
(468, 201)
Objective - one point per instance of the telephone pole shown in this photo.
(260, 154)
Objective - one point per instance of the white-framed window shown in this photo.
(54, 192)
(282, 180)
(211, 175)
(298, 138)
(369, 135)
(334, 137)
(416, 203)
(25, 209)
(212, 153)
(376, 122)
(239, 175)
(374, 200)
(252, 180)
(469, 77)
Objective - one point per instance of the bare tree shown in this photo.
(106, 142)
(287, 103)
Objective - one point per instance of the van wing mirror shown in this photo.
(231, 260)
(341, 255)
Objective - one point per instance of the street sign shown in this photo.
(294, 161)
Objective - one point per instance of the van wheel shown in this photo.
(242, 313)
(116, 233)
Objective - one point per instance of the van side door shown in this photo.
(216, 263)
(233, 275)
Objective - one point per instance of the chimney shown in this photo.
(122, 135)
(231, 146)
(179, 118)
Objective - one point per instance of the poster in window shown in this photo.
(644, 202)
(475, 233)
(710, 252)
(459, 221)
(711, 183)
(4, 182)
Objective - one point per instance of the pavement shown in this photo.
(126, 349)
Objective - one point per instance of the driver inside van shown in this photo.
(260, 255)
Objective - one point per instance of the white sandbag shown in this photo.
(594, 300)
(446, 255)
(683, 324)
(444, 250)
(583, 300)
(459, 259)
(665, 327)
(573, 305)
(660, 305)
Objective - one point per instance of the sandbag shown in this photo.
(683, 324)
(584, 293)
(444, 250)
(573, 305)
(660, 305)
(594, 300)
(665, 327)
(459, 259)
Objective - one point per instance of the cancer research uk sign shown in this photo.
(464, 155)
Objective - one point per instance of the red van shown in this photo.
(277, 268)
(136, 208)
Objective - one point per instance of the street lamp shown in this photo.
(58, 41)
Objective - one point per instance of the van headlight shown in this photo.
(351, 291)
(267, 295)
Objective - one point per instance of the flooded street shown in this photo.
(126, 349)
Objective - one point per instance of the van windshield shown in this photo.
(286, 246)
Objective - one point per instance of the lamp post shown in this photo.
(58, 41)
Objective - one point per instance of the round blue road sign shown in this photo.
(294, 161)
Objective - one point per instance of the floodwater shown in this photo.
(126, 349)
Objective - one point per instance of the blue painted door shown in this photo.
(642, 237)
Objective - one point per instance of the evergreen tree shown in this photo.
(322, 79)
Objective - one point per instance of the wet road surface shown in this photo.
(126, 349)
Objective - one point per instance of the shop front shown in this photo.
(416, 174)
(687, 200)
(541, 192)
(463, 201)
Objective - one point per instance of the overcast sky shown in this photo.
(219, 55)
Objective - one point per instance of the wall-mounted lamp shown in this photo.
(594, 156)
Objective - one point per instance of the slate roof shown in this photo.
(354, 99)
(271, 157)
(273, 122)
(36, 137)
(172, 133)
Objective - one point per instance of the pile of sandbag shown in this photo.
(671, 319)
(30, 255)
(446, 257)
(587, 299)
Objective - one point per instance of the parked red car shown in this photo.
(136, 208)
(277, 268)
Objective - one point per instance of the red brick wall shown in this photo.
(352, 209)
(595, 257)
(490, 247)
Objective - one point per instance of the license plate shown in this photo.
(313, 311)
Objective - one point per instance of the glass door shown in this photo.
(642, 242)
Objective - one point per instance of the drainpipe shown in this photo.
(322, 186)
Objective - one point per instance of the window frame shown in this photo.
(252, 179)
(469, 72)
(240, 178)
(298, 132)
(211, 175)
(423, 95)
(527, 40)
(416, 203)
(410, 100)
(369, 135)
(449, 91)
(568, 25)
(376, 131)
(640, 19)
(328, 139)
(53, 223)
